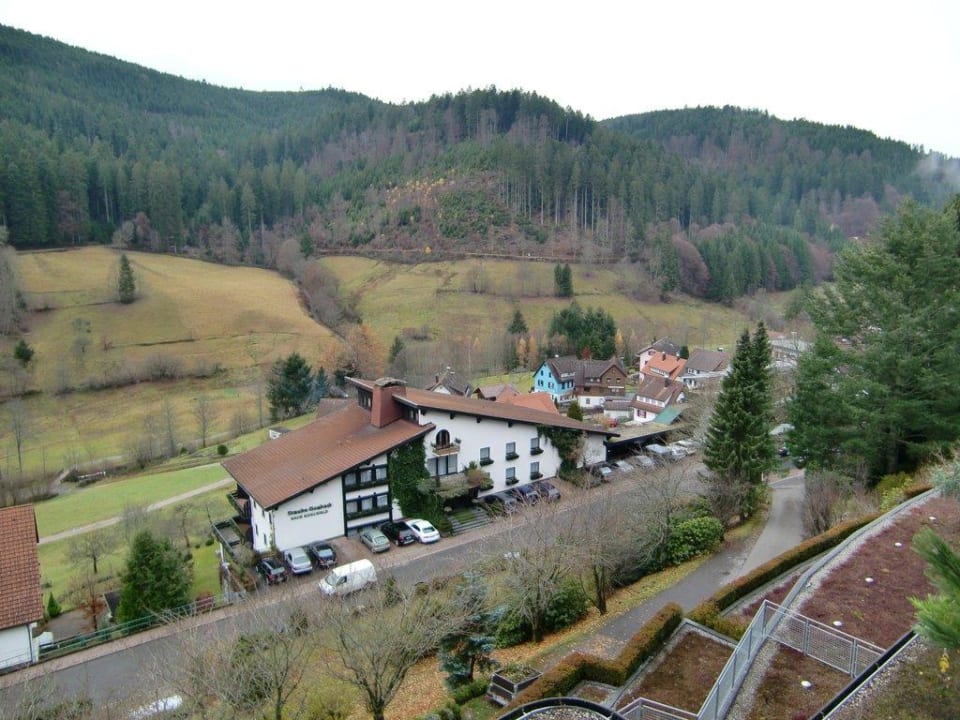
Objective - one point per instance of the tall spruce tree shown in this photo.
(126, 285)
(289, 386)
(518, 326)
(876, 394)
(738, 449)
(156, 578)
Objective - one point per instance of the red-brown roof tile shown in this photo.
(305, 458)
(21, 600)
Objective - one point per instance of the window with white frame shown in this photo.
(511, 476)
(512, 451)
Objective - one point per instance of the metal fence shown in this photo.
(646, 709)
(830, 646)
(821, 642)
(121, 630)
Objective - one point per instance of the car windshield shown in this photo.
(427, 528)
(332, 579)
(324, 553)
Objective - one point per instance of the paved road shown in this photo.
(113, 671)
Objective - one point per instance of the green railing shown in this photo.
(121, 630)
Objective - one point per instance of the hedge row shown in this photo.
(707, 612)
(559, 680)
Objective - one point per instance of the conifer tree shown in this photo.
(518, 326)
(289, 386)
(738, 447)
(126, 285)
(938, 617)
(156, 578)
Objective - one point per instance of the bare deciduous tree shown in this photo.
(376, 646)
(252, 665)
(539, 547)
(205, 414)
(92, 547)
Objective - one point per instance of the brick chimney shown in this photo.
(384, 409)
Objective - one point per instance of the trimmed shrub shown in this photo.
(693, 537)
(473, 689)
(569, 604)
(53, 607)
(575, 667)
(221, 450)
(708, 612)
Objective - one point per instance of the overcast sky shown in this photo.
(891, 68)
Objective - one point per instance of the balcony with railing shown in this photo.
(449, 448)
(240, 502)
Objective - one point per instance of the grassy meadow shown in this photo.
(241, 319)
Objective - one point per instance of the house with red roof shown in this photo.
(330, 478)
(21, 599)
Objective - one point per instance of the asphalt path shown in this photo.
(121, 669)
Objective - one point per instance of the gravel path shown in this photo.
(72, 532)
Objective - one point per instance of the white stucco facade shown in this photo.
(17, 646)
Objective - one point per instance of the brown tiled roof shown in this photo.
(499, 411)
(21, 601)
(669, 365)
(495, 392)
(535, 400)
(657, 389)
(305, 458)
(708, 360)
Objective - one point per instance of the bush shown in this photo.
(450, 711)
(575, 667)
(511, 630)
(473, 689)
(693, 537)
(569, 604)
(53, 607)
(221, 450)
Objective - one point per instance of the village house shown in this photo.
(21, 600)
(330, 478)
(704, 367)
(590, 382)
(449, 383)
(654, 396)
(644, 356)
(663, 366)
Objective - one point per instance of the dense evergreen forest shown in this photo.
(713, 202)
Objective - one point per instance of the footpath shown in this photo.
(782, 531)
(100, 524)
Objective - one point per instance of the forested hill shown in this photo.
(712, 202)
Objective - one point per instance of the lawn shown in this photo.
(107, 499)
(194, 313)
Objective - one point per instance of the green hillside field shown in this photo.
(241, 319)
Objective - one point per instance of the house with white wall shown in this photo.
(21, 599)
(331, 478)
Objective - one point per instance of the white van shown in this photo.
(345, 579)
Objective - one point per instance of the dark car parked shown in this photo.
(399, 533)
(272, 570)
(322, 554)
(525, 493)
(546, 490)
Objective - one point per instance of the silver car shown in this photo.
(375, 540)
